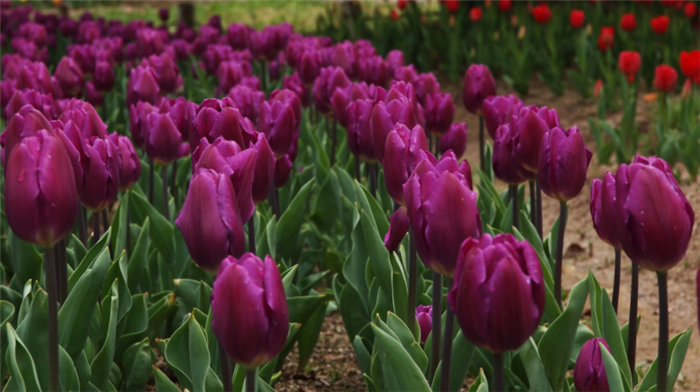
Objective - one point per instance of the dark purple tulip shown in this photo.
(252, 82)
(88, 32)
(7, 89)
(498, 110)
(395, 60)
(603, 210)
(84, 115)
(164, 14)
(101, 174)
(424, 316)
(210, 221)
(563, 163)
(229, 74)
(455, 139)
(93, 96)
(34, 32)
(398, 228)
(215, 22)
(344, 57)
(533, 124)
(129, 162)
(373, 70)
(249, 310)
(498, 292)
(439, 111)
(35, 75)
(506, 166)
(149, 42)
(248, 101)
(138, 115)
(25, 123)
(84, 56)
(293, 83)
(216, 118)
(309, 65)
(283, 168)
(343, 96)
(359, 135)
(214, 55)
(264, 169)
(655, 216)
(277, 123)
(404, 149)
(166, 72)
(41, 200)
(384, 118)
(288, 97)
(142, 86)
(181, 49)
(442, 211)
(68, 27)
(70, 78)
(426, 84)
(42, 102)
(406, 73)
(29, 50)
(182, 112)
(478, 85)
(12, 65)
(238, 36)
(328, 80)
(589, 370)
(162, 138)
(103, 78)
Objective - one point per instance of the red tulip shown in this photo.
(452, 5)
(629, 63)
(505, 5)
(606, 39)
(577, 18)
(690, 64)
(475, 14)
(665, 78)
(402, 4)
(690, 10)
(542, 13)
(628, 22)
(659, 24)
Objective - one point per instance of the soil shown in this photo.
(333, 366)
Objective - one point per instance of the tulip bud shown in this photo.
(603, 210)
(498, 293)
(229, 74)
(342, 97)
(293, 83)
(163, 14)
(426, 84)
(406, 73)
(27, 122)
(358, 125)
(309, 65)
(687, 89)
(478, 85)
(41, 102)
(249, 310)
(442, 211)
(373, 70)
(563, 163)
(101, 174)
(690, 64)
(655, 216)
(589, 370)
(103, 78)
(277, 123)
(506, 166)
(329, 79)
(439, 112)
(283, 168)
(210, 221)
(665, 78)
(384, 118)
(455, 139)
(41, 199)
(398, 227)
(248, 101)
(344, 57)
(264, 169)
(166, 72)
(70, 78)
(238, 36)
(129, 162)
(598, 88)
(532, 125)
(659, 24)
(424, 316)
(628, 22)
(498, 110)
(403, 151)
(220, 118)
(629, 63)
(288, 98)
(142, 86)
(394, 60)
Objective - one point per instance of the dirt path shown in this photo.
(334, 367)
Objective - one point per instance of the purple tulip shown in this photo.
(101, 174)
(325, 85)
(344, 57)
(506, 166)
(424, 316)
(34, 32)
(589, 370)
(454, 139)
(164, 14)
(70, 78)
(41, 102)
(442, 211)
(373, 70)
(227, 157)
(358, 131)
(88, 32)
(248, 101)
(343, 96)
(533, 124)
(384, 118)
(394, 60)
(149, 42)
(25, 123)
(498, 110)
(498, 292)
(289, 98)
(85, 117)
(162, 138)
(655, 217)
(439, 111)
(93, 96)
(478, 85)
(103, 78)
(398, 228)
(603, 210)
(41, 200)
(229, 74)
(426, 84)
(249, 310)
(181, 49)
(563, 163)
(210, 221)
(129, 162)
(404, 149)
(238, 36)
(84, 56)
(309, 65)
(277, 123)
(166, 72)
(216, 118)
(264, 169)
(283, 168)
(35, 75)
(406, 73)
(12, 65)
(142, 86)
(293, 83)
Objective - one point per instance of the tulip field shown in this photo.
(342, 196)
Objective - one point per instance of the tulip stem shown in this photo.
(412, 281)
(334, 134)
(662, 360)
(151, 173)
(225, 369)
(372, 174)
(513, 191)
(61, 273)
(632, 323)
(447, 345)
(50, 265)
(272, 200)
(128, 233)
(105, 220)
(437, 324)
(250, 380)
(251, 234)
(95, 227)
(560, 253)
(538, 193)
(166, 198)
(498, 373)
(533, 204)
(82, 224)
(358, 174)
(173, 182)
(481, 143)
(616, 279)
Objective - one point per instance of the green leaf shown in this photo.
(68, 376)
(162, 232)
(612, 370)
(22, 370)
(536, 375)
(188, 356)
(119, 227)
(88, 260)
(481, 383)
(308, 335)
(26, 259)
(378, 255)
(289, 225)
(139, 258)
(163, 383)
(612, 335)
(80, 304)
(556, 344)
(407, 340)
(399, 371)
(677, 348)
(462, 353)
(101, 365)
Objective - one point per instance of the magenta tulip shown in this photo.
(101, 174)
(478, 85)
(439, 111)
(70, 78)
(129, 162)
(454, 139)
(424, 316)
(533, 124)
(589, 370)
(563, 163)
(404, 149)
(498, 110)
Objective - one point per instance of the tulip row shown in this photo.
(251, 164)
